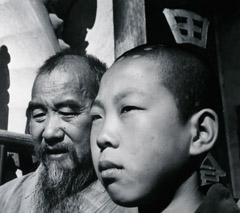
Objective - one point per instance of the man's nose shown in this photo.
(53, 133)
(108, 135)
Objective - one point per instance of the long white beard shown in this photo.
(59, 190)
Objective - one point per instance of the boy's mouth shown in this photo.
(108, 169)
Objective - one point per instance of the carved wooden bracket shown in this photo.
(210, 171)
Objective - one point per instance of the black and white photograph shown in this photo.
(119, 106)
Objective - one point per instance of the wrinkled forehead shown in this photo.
(52, 89)
(71, 69)
(74, 65)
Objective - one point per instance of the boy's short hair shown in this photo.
(186, 74)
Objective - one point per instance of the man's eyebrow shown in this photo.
(69, 103)
(34, 105)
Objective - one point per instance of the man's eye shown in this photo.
(68, 115)
(38, 116)
(129, 108)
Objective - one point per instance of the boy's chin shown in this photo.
(124, 199)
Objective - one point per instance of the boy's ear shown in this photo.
(204, 126)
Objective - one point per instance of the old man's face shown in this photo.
(60, 122)
(60, 126)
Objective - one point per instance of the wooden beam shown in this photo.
(129, 24)
(16, 142)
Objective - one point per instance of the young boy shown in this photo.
(153, 122)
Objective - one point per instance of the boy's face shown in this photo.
(138, 142)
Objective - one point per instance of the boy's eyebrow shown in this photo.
(118, 97)
(126, 93)
(97, 103)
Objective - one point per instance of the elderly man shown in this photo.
(59, 123)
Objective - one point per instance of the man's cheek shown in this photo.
(38, 150)
(37, 134)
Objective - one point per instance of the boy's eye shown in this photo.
(95, 117)
(129, 108)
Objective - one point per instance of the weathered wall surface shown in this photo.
(27, 32)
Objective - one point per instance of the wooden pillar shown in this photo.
(228, 48)
(129, 24)
(4, 100)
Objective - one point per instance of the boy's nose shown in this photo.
(107, 136)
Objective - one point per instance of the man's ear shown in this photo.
(204, 126)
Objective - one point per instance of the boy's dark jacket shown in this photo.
(218, 200)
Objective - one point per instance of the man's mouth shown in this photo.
(56, 153)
